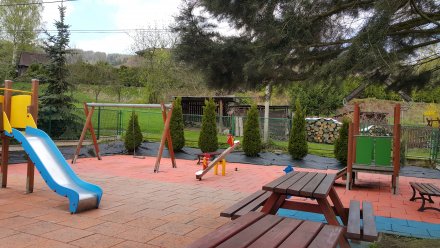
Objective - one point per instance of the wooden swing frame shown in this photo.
(167, 111)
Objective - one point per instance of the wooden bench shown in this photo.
(365, 231)
(257, 229)
(425, 190)
(212, 154)
(248, 204)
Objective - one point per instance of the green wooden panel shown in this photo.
(383, 151)
(364, 150)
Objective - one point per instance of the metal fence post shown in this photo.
(120, 122)
(99, 122)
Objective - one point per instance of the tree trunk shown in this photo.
(266, 112)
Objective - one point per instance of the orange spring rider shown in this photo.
(205, 161)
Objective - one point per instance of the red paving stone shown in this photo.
(140, 208)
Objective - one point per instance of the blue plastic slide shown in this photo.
(56, 171)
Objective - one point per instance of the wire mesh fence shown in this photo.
(420, 142)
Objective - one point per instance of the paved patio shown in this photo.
(169, 209)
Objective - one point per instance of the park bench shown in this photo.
(248, 204)
(257, 229)
(211, 154)
(425, 190)
(357, 231)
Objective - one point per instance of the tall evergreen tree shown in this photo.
(57, 105)
(208, 141)
(133, 135)
(298, 146)
(177, 126)
(283, 41)
(252, 137)
(341, 143)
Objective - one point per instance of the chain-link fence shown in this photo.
(420, 142)
(110, 123)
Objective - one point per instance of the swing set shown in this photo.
(167, 110)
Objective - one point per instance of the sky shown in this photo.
(111, 15)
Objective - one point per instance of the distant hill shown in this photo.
(114, 59)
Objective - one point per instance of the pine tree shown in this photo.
(56, 113)
(177, 126)
(341, 143)
(251, 137)
(298, 147)
(283, 41)
(208, 141)
(133, 134)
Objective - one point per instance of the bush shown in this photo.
(251, 137)
(208, 141)
(176, 126)
(298, 137)
(341, 143)
(133, 134)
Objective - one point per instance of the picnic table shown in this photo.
(313, 185)
(256, 229)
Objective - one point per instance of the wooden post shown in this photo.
(92, 132)
(83, 134)
(169, 139)
(162, 141)
(356, 128)
(33, 110)
(5, 139)
(396, 149)
(220, 114)
(349, 157)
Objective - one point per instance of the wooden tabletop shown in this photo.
(305, 184)
(257, 229)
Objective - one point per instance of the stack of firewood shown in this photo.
(322, 130)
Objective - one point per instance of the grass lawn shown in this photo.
(391, 241)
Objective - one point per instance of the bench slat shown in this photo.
(282, 188)
(252, 232)
(434, 189)
(327, 237)
(369, 228)
(253, 205)
(229, 212)
(417, 187)
(277, 234)
(278, 181)
(425, 190)
(303, 235)
(354, 220)
(296, 187)
(226, 231)
(312, 185)
(325, 186)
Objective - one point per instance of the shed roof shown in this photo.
(28, 58)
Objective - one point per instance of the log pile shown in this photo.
(322, 130)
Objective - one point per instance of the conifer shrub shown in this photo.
(298, 147)
(208, 141)
(251, 137)
(177, 126)
(341, 143)
(133, 134)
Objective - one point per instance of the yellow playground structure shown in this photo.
(18, 111)
(19, 116)
(432, 115)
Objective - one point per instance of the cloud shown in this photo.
(126, 14)
(51, 13)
